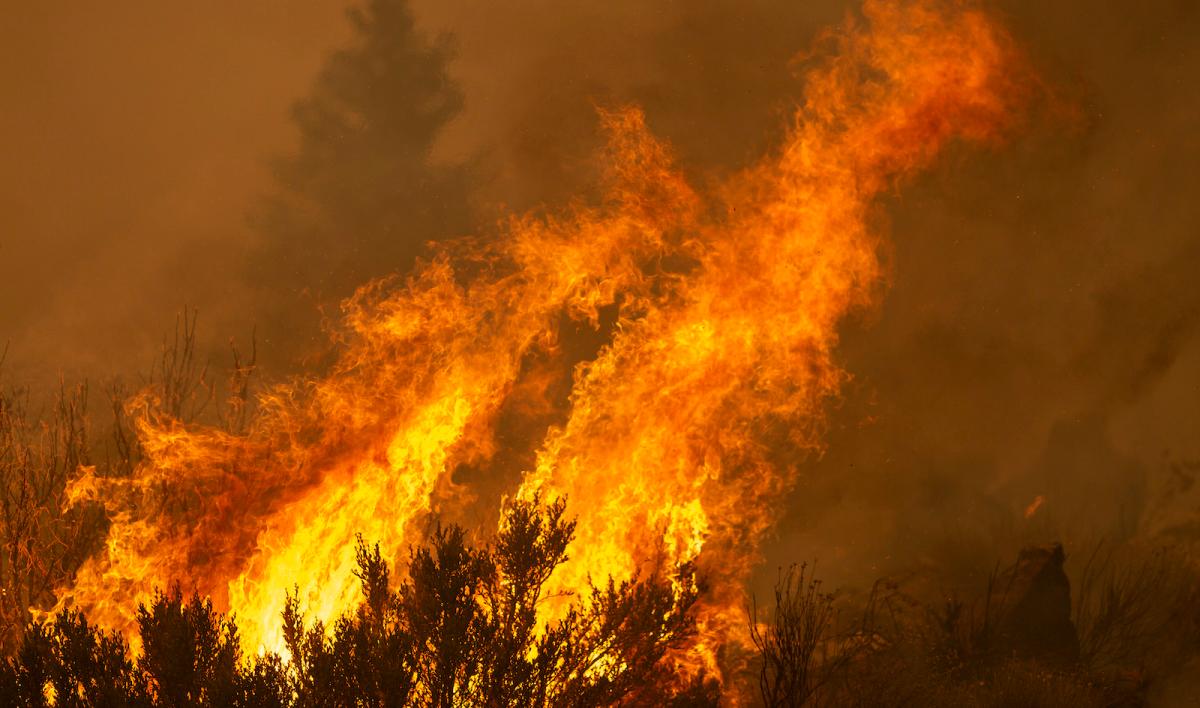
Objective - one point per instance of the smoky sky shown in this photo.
(1039, 336)
(134, 137)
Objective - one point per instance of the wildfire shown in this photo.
(1034, 505)
(681, 435)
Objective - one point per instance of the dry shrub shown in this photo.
(1135, 615)
(1137, 610)
(42, 542)
(43, 537)
(793, 645)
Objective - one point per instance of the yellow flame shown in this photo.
(682, 432)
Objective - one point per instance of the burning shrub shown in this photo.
(41, 541)
(50, 463)
(462, 629)
(72, 663)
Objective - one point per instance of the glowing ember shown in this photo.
(1034, 506)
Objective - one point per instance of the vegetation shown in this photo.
(461, 626)
(361, 195)
(462, 629)
(457, 623)
(1138, 623)
(42, 541)
(44, 537)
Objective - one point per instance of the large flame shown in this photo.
(682, 432)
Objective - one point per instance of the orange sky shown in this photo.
(132, 132)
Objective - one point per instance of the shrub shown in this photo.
(463, 629)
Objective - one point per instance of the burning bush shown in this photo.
(462, 629)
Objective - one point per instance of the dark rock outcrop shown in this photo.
(1029, 608)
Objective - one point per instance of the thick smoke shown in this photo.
(1039, 338)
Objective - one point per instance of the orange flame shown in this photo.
(682, 432)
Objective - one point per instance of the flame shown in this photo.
(1034, 505)
(676, 430)
(682, 433)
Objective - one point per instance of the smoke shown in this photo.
(1039, 337)
(135, 136)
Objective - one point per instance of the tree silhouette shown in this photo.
(361, 196)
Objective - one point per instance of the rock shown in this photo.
(1028, 613)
